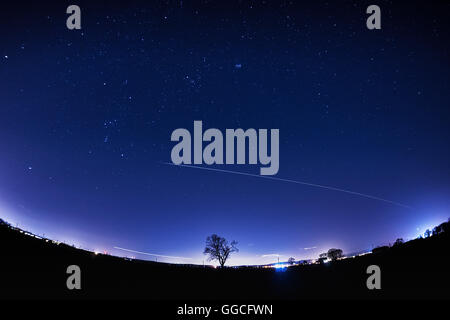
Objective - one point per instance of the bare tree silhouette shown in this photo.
(333, 253)
(217, 248)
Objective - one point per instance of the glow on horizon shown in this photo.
(234, 260)
(244, 258)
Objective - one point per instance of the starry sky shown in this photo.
(86, 118)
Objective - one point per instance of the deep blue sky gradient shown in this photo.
(86, 118)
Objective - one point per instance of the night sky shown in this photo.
(86, 118)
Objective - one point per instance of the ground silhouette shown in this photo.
(36, 268)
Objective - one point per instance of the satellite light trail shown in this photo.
(294, 181)
(271, 255)
(151, 254)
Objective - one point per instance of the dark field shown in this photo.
(33, 268)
